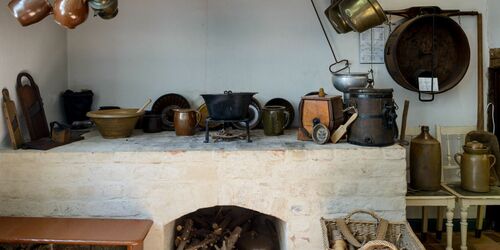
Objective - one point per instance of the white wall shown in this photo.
(274, 47)
(39, 49)
(494, 21)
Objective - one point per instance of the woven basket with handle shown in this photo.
(399, 234)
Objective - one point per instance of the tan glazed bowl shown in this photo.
(115, 123)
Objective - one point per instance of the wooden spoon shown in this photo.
(144, 106)
(342, 130)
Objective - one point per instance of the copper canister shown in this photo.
(425, 162)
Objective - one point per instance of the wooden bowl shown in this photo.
(115, 123)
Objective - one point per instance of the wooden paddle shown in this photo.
(9, 111)
(342, 130)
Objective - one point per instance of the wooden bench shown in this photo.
(66, 231)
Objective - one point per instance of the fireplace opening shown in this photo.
(227, 227)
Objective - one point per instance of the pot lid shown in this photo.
(475, 145)
(231, 93)
(351, 74)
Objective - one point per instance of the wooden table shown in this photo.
(467, 199)
(439, 198)
(66, 231)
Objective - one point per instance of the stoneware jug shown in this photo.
(70, 13)
(275, 119)
(475, 164)
(185, 121)
(29, 12)
(425, 162)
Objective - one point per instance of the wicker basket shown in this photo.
(399, 234)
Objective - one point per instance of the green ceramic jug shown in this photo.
(274, 119)
(475, 164)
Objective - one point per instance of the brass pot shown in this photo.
(110, 11)
(28, 12)
(186, 121)
(70, 13)
(475, 164)
(425, 162)
(362, 15)
(100, 4)
(335, 18)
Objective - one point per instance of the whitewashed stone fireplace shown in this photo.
(163, 177)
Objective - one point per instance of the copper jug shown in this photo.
(475, 164)
(70, 13)
(186, 121)
(425, 162)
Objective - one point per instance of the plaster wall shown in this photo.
(493, 23)
(39, 49)
(273, 47)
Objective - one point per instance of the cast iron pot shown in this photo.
(228, 106)
(151, 123)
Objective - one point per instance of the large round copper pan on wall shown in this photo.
(409, 52)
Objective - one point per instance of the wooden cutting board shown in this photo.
(32, 106)
(12, 121)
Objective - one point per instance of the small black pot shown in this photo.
(228, 106)
(151, 123)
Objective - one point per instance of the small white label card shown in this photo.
(425, 84)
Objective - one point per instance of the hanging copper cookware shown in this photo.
(100, 4)
(424, 46)
(70, 13)
(106, 9)
(28, 12)
(361, 15)
(335, 18)
(109, 12)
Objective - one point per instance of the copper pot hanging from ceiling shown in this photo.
(28, 12)
(109, 12)
(70, 13)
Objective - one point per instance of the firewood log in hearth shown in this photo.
(233, 238)
(217, 228)
(186, 231)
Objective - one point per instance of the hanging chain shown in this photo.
(324, 31)
(371, 50)
(390, 23)
(346, 66)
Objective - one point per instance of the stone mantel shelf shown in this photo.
(168, 141)
(163, 177)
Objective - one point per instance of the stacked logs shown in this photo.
(217, 228)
